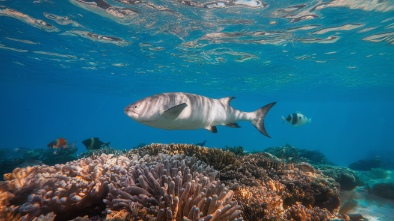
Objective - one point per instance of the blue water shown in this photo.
(73, 80)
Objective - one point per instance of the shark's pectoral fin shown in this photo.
(233, 125)
(174, 111)
(213, 129)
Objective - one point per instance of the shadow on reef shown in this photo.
(170, 182)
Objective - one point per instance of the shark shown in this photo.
(185, 111)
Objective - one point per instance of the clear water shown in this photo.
(71, 75)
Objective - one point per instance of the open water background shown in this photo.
(68, 69)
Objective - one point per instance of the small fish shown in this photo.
(201, 144)
(58, 143)
(94, 143)
(183, 111)
(296, 119)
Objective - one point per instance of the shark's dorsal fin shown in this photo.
(226, 100)
(174, 111)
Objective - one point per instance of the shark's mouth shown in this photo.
(129, 112)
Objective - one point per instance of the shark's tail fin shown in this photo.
(258, 121)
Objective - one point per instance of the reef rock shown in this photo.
(384, 190)
(366, 164)
(347, 178)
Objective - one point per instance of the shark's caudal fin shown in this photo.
(258, 122)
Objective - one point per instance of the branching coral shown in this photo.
(66, 189)
(262, 202)
(310, 187)
(173, 188)
(298, 212)
(300, 182)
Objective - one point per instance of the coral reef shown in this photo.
(310, 187)
(163, 186)
(174, 188)
(263, 201)
(366, 164)
(169, 182)
(287, 183)
(291, 154)
(299, 212)
(58, 156)
(98, 152)
(301, 182)
(7, 165)
(10, 158)
(347, 178)
(68, 190)
(237, 150)
(215, 157)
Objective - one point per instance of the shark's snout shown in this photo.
(126, 109)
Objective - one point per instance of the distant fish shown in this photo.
(182, 111)
(296, 119)
(201, 144)
(58, 143)
(94, 143)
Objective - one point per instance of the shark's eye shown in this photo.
(135, 107)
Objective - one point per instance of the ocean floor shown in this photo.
(369, 205)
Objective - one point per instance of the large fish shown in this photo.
(182, 111)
